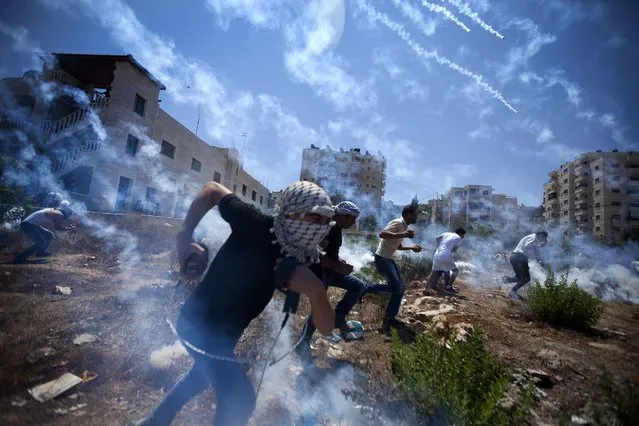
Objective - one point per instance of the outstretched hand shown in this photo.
(416, 248)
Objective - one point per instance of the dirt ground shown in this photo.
(125, 310)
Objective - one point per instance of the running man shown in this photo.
(527, 247)
(336, 273)
(390, 241)
(262, 254)
(443, 263)
(40, 225)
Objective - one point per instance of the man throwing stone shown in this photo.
(443, 263)
(336, 273)
(263, 253)
(40, 226)
(390, 241)
(527, 247)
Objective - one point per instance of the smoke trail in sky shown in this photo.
(415, 15)
(399, 29)
(435, 8)
(465, 9)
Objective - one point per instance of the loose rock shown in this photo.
(85, 338)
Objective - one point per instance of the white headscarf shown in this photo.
(300, 239)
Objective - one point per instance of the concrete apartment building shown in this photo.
(473, 204)
(597, 193)
(348, 174)
(110, 143)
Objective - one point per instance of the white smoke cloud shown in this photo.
(465, 9)
(420, 52)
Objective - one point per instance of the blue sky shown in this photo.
(433, 85)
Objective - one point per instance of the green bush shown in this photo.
(617, 402)
(456, 379)
(412, 267)
(562, 304)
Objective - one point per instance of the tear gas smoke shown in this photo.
(412, 13)
(464, 8)
(168, 355)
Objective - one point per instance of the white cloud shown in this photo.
(427, 27)
(545, 135)
(520, 56)
(261, 13)
(616, 42)
(404, 88)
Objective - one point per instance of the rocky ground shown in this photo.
(105, 329)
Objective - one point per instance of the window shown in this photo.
(261, 200)
(217, 177)
(244, 188)
(596, 180)
(131, 145)
(196, 165)
(140, 105)
(598, 217)
(615, 216)
(615, 190)
(634, 205)
(565, 201)
(632, 190)
(596, 167)
(151, 195)
(615, 203)
(597, 205)
(632, 166)
(597, 229)
(566, 180)
(474, 191)
(616, 229)
(597, 192)
(616, 178)
(234, 189)
(565, 212)
(167, 149)
(253, 195)
(485, 193)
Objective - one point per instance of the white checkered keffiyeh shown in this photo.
(297, 238)
(347, 208)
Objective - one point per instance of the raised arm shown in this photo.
(208, 197)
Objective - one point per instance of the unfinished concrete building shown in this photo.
(461, 206)
(347, 174)
(597, 193)
(111, 145)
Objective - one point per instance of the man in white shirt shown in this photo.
(390, 241)
(443, 263)
(527, 247)
(40, 225)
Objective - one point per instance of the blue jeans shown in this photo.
(233, 389)
(41, 238)
(354, 290)
(394, 284)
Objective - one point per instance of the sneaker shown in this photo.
(303, 350)
(389, 323)
(514, 296)
(452, 289)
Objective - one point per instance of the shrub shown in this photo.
(457, 379)
(564, 305)
(413, 267)
(618, 402)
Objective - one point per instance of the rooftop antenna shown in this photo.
(244, 135)
(199, 111)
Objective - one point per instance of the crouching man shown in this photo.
(262, 253)
(40, 226)
(443, 263)
(528, 247)
(336, 273)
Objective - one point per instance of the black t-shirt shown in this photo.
(240, 280)
(334, 239)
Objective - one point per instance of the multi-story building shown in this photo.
(473, 204)
(347, 174)
(596, 193)
(109, 142)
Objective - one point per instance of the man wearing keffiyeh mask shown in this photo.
(261, 254)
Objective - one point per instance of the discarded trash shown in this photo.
(18, 402)
(49, 390)
(84, 338)
(63, 290)
(358, 332)
(86, 264)
(91, 258)
(87, 376)
(334, 337)
(38, 354)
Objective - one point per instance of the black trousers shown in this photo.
(519, 263)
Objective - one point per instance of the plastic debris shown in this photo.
(50, 390)
(63, 290)
(85, 338)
